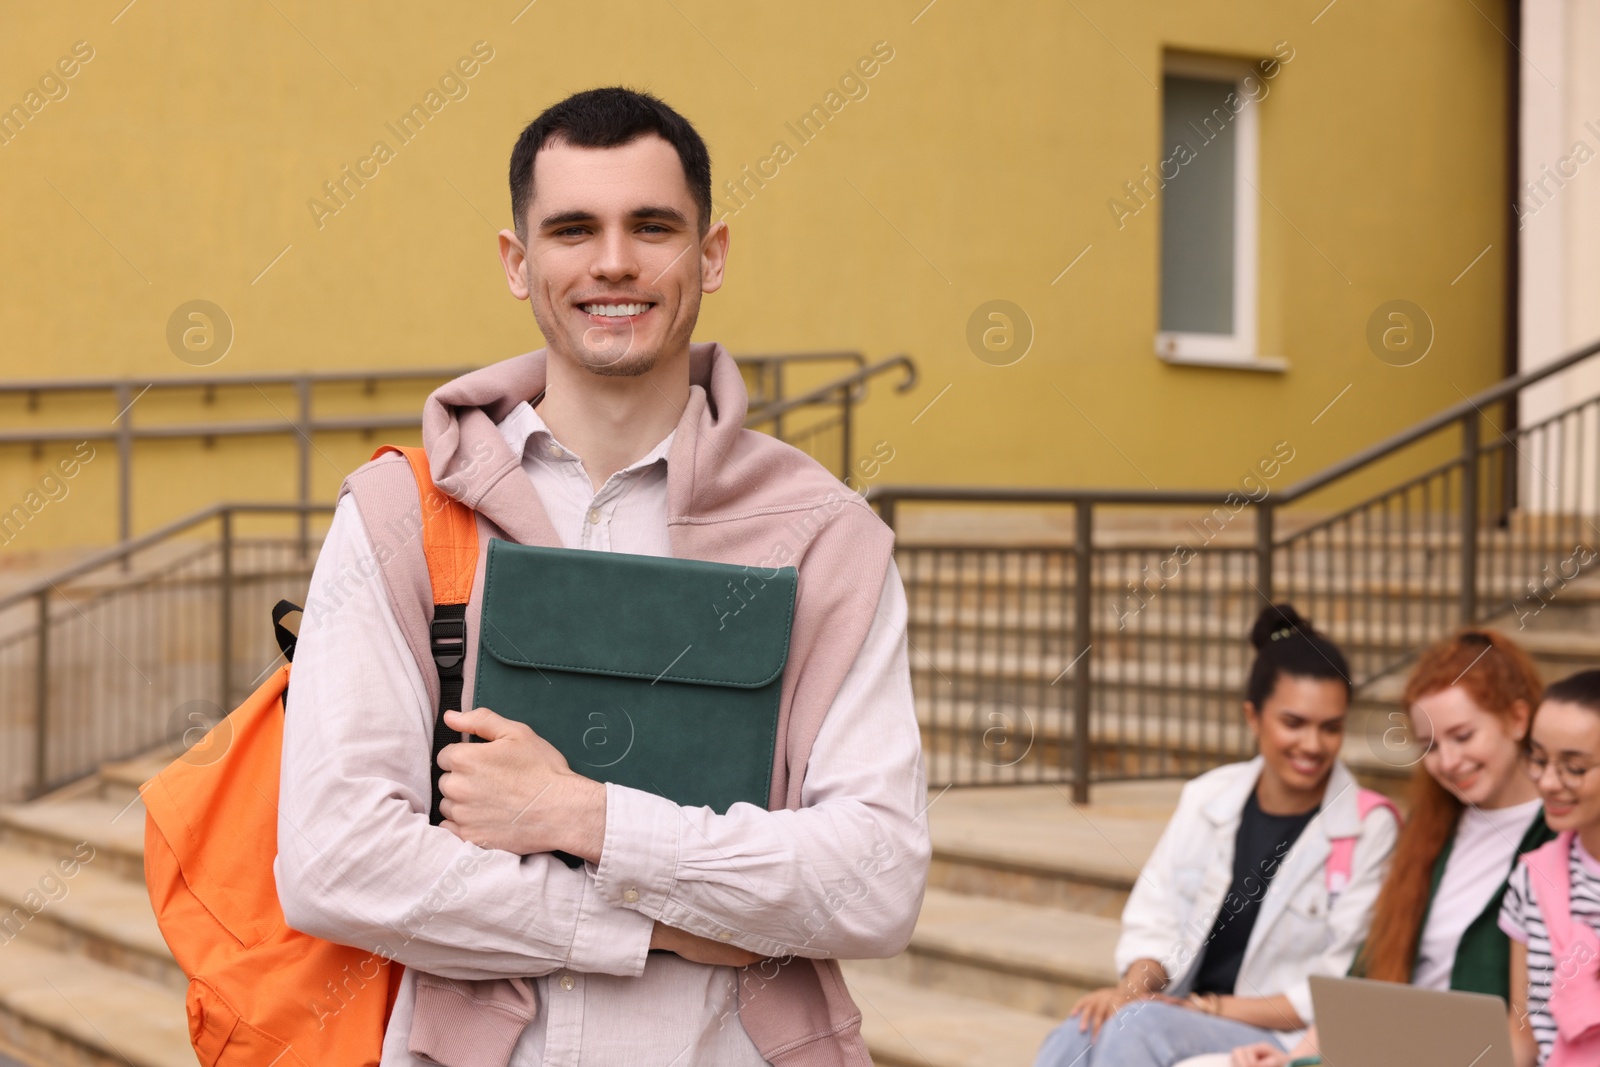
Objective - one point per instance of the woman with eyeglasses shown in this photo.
(1552, 906)
(1468, 705)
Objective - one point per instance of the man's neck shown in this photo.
(613, 421)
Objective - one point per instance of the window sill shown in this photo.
(1269, 364)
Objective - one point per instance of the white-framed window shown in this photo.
(1210, 134)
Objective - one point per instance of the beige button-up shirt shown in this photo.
(357, 737)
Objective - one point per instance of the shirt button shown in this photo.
(556, 452)
(567, 982)
(594, 514)
(631, 896)
(725, 935)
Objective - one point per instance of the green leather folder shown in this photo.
(653, 672)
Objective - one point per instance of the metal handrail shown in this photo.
(846, 392)
(126, 549)
(1455, 537)
(1473, 405)
(301, 424)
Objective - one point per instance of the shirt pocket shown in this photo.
(1306, 919)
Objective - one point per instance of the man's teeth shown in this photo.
(616, 309)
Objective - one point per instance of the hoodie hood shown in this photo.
(716, 469)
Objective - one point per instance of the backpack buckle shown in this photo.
(447, 639)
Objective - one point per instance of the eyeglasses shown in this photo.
(1570, 776)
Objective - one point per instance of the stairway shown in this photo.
(1025, 888)
(991, 637)
(1020, 919)
(85, 977)
(1020, 916)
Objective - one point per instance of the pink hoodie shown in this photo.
(1575, 986)
(734, 496)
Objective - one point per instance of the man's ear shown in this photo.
(514, 258)
(713, 256)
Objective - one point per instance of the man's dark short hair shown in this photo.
(606, 118)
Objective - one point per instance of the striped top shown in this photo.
(1520, 919)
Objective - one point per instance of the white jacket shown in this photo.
(1300, 930)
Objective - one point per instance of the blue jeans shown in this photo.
(1147, 1033)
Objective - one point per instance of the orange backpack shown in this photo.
(259, 992)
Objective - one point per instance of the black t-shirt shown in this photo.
(1263, 841)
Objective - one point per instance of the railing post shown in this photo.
(886, 510)
(1264, 549)
(777, 397)
(124, 466)
(1082, 604)
(1469, 517)
(844, 416)
(225, 621)
(302, 387)
(41, 698)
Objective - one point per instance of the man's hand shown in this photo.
(515, 792)
(699, 949)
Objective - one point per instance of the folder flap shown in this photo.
(653, 617)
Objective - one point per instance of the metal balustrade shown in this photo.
(1122, 653)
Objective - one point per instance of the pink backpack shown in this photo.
(1342, 856)
(1575, 948)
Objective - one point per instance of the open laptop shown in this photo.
(1384, 1024)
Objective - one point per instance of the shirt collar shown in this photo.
(523, 424)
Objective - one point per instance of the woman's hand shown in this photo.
(1263, 1054)
(1143, 980)
(1093, 1009)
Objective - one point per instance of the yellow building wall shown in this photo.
(975, 164)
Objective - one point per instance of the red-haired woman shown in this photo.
(1474, 811)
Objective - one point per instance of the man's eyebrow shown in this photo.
(658, 212)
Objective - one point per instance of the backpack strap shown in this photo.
(1341, 856)
(450, 547)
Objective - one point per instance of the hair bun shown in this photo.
(1276, 619)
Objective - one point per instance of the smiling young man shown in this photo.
(684, 937)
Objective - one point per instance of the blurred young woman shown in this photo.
(1469, 702)
(1265, 876)
(1552, 906)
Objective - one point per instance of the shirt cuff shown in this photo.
(608, 939)
(639, 857)
(1299, 996)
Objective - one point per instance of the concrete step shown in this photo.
(119, 782)
(67, 904)
(1023, 956)
(53, 826)
(982, 742)
(910, 1026)
(68, 1011)
(1193, 634)
(1031, 844)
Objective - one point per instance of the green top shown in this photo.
(1483, 956)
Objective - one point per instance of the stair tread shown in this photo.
(105, 824)
(1371, 749)
(910, 1024)
(138, 770)
(90, 1002)
(95, 901)
(1068, 946)
(1037, 827)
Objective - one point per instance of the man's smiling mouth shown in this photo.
(615, 311)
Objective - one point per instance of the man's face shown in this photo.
(614, 264)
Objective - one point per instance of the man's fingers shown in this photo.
(480, 722)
